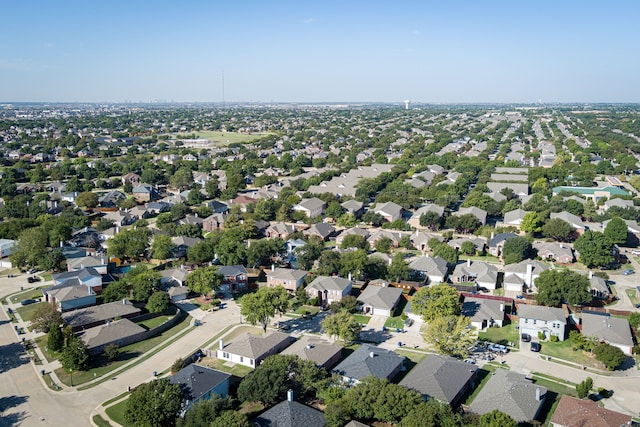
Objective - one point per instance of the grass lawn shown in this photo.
(563, 350)
(41, 342)
(99, 365)
(26, 312)
(116, 413)
(307, 309)
(414, 356)
(503, 335)
(154, 322)
(251, 408)
(100, 422)
(394, 323)
(28, 294)
(238, 370)
(224, 138)
(362, 319)
(631, 293)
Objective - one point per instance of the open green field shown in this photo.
(218, 138)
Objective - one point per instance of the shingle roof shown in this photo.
(198, 380)
(111, 332)
(254, 346)
(538, 312)
(380, 297)
(440, 377)
(318, 350)
(99, 313)
(322, 283)
(82, 275)
(360, 364)
(290, 414)
(614, 330)
(511, 393)
(429, 265)
(572, 412)
(286, 274)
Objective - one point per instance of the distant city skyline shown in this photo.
(320, 52)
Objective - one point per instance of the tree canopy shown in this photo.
(435, 301)
(616, 231)
(343, 325)
(154, 404)
(203, 280)
(260, 306)
(451, 335)
(555, 287)
(594, 248)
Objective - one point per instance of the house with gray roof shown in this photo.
(354, 230)
(612, 330)
(514, 217)
(537, 318)
(431, 269)
(518, 188)
(369, 360)
(573, 220)
(120, 332)
(290, 413)
(250, 350)
(414, 221)
(321, 230)
(485, 275)
(479, 243)
(511, 393)
(200, 383)
(312, 208)
(323, 353)
(328, 289)
(89, 317)
(441, 377)
(496, 243)
(556, 251)
(288, 278)
(598, 287)
(353, 207)
(389, 211)
(481, 214)
(234, 277)
(379, 300)
(483, 312)
(98, 263)
(527, 271)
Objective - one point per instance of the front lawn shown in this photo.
(505, 335)
(153, 322)
(563, 350)
(116, 413)
(27, 311)
(28, 294)
(394, 323)
(631, 293)
(362, 319)
(237, 369)
(307, 310)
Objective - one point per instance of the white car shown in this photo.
(636, 252)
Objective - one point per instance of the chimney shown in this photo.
(538, 396)
(349, 276)
(372, 354)
(221, 345)
(502, 307)
(124, 300)
(469, 263)
(493, 235)
(196, 214)
(528, 280)
(273, 267)
(590, 274)
(290, 395)
(117, 230)
(389, 260)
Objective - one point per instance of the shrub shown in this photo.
(611, 356)
(553, 338)
(541, 335)
(604, 393)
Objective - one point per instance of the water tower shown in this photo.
(406, 104)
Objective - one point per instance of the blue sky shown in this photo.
(320, 51)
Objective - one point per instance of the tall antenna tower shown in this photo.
(406, 104)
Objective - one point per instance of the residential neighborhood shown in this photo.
(275, 265)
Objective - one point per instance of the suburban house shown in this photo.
(485, 275)
(87, 276)
(390, 211)
(379, 300)
(441, 377)
(120, 218)
(353, 207)
(328, 289)
(290, 279)
(593, 193)
(431, 269)
(611, 330)
(145, 193)
(120, 332)
(483, 312)
(290, 413)
(312, 208)
(369, 360)
(321, 352)
(111, 199)
(181, 244)
(414, 221)
(132, 178)
(537, 318)
(511, 393)
(496, 243)
(213, 222)
(598, 287)
(96, 315)
(619, 203)
(381, 234)
(98, 263)
(573, 412)
(573, 220)
(558, 252)
(321, 230)
(234, 277)
(527, 271)
(250, 350)
(279, 229)
(355, 230)
(200, 383)
(481, 214)
(479, 243)
(514, 218)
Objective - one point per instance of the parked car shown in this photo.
(628, 272)
(535, 346)
(525, 337)
(408, 322)
(636, 252)
(499, 348)
(33, 279)
(27, 301)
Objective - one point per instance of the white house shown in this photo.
(249, 350)
(536, 318)
(329, 289)
(379, 300)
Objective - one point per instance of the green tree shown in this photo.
(143, 284)
(231, 419)
(154, 404)
(308, 253)
(394, 402)
(277, 374)
(55, 339)
(516, 249)
(205, 411)
(431, 413)
(584, 388)
(557, 229)
(130, 244)
(181, 179)
(45, 316)
(195, 197)
(158, 302)
(496, 418)
(468, 248)
(556, 287)
(87, 199)
(111, 351)
(398, 270)
(203, 251)
(334, 210)
(531, 223)
(353, 263)
(446, 252)
(329, 263)
(115, 291)
(342, 325)
(594, 248)
(435, 301)
(354, 241)
(161, 246)
(74, 354)
(383, 245)
(451, 335)
(611, 356)
(431, 220)
(203, 280)
(259, 307)
(616, 231)
(30, 248)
